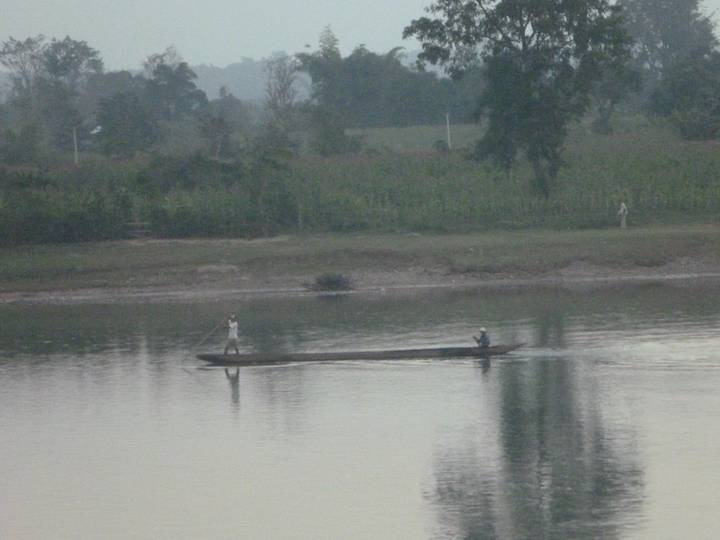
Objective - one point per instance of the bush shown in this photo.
(167, 173)
(441, 146)
(22, 146)
(696, 125)
(332, 282)
(55, 215)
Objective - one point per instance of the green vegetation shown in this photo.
(541, 61)
(660, 177)
(89, 155)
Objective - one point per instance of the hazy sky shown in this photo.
(210, 31)
(215, 32)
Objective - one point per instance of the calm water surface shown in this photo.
(606, 425)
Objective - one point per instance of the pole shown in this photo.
(75, 145)
(207, 336)
(203, 340)
(447, 124)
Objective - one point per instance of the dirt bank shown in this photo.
(222, 282)
(183, 270)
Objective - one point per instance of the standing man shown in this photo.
(232, 325)
(622, 213)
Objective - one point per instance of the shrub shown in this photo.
(441, 146)
(696, 125)
(54, 215)
(332, 282)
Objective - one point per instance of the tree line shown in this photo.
(639, 55)
(526, 70)
(61, 96)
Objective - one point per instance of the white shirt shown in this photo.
(232, 330)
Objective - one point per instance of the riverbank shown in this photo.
(166, 270)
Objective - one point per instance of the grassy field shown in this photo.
(417, 138)
(661, 178)
(398, 183)
(174, 263)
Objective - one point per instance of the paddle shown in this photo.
(204, 339)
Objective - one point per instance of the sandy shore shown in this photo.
(220, 284)
(155, 270)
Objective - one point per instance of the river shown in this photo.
(604, 425)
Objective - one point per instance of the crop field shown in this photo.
(399, 182)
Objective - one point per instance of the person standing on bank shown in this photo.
(484, 340)
(622, 214)
(232, 338)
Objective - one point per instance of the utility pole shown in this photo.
(447, 124)
(75, 145)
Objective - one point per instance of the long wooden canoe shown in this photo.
(261, 359)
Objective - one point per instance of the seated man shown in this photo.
(484, 340)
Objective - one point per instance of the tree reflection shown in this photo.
(555, 471)
(549, 311)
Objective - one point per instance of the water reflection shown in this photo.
(549, 319)
(485, 364)
(234, 380)
(344, 322)
(555, 471)
(540, 445)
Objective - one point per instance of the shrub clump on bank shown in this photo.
(332, 282)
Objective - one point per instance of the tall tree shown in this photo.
(105, 85)
(169, 57)
(67, 65)
(617, 83)
(542, 58)
(689, 95)
(221, 125)
(324, 67)
(24, 60)
(70, 62)
(235, 111)
(281, 90)
(126, 126)
(380, 91)
(48, 79)
(328, 111)
(58, 108)
(665, 32)
(217, 132)
(172, 91)
(366, 89)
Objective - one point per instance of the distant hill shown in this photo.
(245, 80)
